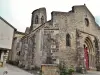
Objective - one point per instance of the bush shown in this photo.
(64, 71)
(70, 70)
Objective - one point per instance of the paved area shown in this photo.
(90, 73)
(13, 70)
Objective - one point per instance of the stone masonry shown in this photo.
(64, 38)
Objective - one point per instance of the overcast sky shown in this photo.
(18, 12)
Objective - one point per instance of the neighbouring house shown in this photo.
(15, 51)
(7, 32)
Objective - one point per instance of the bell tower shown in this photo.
(39, 17)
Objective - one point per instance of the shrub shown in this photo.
(70, 71)
(63, 70)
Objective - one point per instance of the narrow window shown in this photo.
(96, 43)
(68, 42)
(42, 19)
(87, 22)
(36, 19)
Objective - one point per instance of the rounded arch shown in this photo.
(88, 43)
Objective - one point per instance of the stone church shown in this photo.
(71, 37)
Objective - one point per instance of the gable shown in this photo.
(7, 23)
(6, 35)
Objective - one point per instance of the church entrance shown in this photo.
(89, 54)
(86, 57)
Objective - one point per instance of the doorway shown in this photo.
(86, 57)
(89, 56)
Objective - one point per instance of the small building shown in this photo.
(14, 53)
(6, 38)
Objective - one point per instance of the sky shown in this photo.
(18, 12)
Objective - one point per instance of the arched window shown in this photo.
(96, 43)
(42, 19)
(87, 22)
(36, 19)
(68, 41)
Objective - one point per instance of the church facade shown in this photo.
(71, 37)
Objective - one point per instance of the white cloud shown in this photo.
(21, 9)
(93, 6)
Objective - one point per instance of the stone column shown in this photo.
(83, 60)
(80, 52)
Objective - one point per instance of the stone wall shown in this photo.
(68, 23)
(48, 40)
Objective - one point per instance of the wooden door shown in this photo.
(86, 57)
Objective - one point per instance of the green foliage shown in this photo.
(64, 70)
(70, 70)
